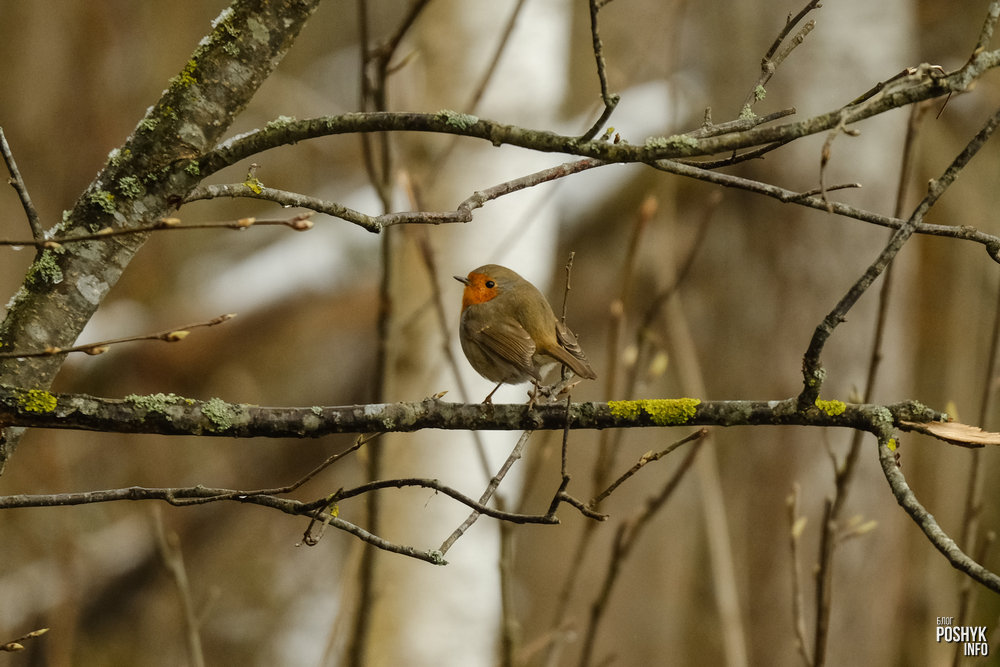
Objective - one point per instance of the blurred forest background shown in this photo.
(76, 79)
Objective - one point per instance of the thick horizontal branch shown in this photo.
(920, 83)
(169, 414)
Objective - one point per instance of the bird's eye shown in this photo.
(490, 284)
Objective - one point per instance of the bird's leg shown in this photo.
(489, 397)
(560, 387)
(533, 394)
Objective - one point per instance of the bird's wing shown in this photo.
(510, 342)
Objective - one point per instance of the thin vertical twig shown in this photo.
(610, 100)
(773, 58)
(17, 183)
(796, 524)
(168, 546)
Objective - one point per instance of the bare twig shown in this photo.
(376, 223)
(15, 645)
(773, 58)
(377, 152)
(811, 200)
(34, 223)
(986, 32)
(488, 493)
(844, 472)
(796, 524)
(610, 100)
(169, 548)
(502, 43)
(434, 485)
(646, 458)
(825, 159)
(824, 579)
(299, 223)
(926, 521)
(169, 336)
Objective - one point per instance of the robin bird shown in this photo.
(509, 332)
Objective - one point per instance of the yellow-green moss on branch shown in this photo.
(36, 400)
(832, 408)
(662, 411)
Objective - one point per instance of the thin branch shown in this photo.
(22, 191)
(15, 645)
(376, 223)
(844, 472)
(487, 494)
(170, 551)
(379, 167)
(502, 43)
(796, 524)
(710, 129)
(925, 520)
(823, 583)
(169, 336)
(648, 457)
(773, 58)
(185, 495)
(986, 32)
(299, 223)
(385, 51)
(811, 199)
(198, 495)
(434, 485)
(479, 91)
(610, 100)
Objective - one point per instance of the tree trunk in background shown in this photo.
(451, 615)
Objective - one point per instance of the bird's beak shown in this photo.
(464, 281)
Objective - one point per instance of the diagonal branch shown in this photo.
(773, 58)
(812, 370)
(168, 336)
(942, 542)
(17, 183)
